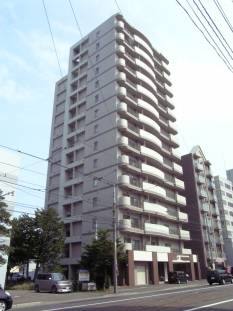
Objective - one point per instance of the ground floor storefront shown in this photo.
(145, 268)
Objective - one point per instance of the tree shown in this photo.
(4, 229)
(40, 238)
(98, 258)
(49, 239)
(22, 241)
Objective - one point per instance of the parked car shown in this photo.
(219, 276)
(16, 276)
(177, 277)
(5, 300)
(52, 282)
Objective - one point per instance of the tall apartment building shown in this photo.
(8, 175)
(230, 175)
(224, 190)
(113, 127)
(204, 225)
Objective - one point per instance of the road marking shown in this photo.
(210, 305)
(136, 298)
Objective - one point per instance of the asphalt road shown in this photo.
(181, 298)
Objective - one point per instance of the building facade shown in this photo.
(224, 190)
(204, 225)
(230, 175)
(113, 128)
(8, 177)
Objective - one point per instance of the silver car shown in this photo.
(52, 282)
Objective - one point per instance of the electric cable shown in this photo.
(218, 5)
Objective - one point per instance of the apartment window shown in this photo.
(96, 128)
(96, 111)
(95, 202)
(230, 204)
(97, 33)
(97, 45)
(97, 57)
(96, 181)
(95, 145)
(97, 70)
(229, 195)
(96, 98)
(227, 186)
(95, 163)
(97, 84)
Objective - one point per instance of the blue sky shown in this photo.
(202, 85)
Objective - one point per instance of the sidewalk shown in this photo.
(26, 298)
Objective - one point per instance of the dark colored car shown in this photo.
(177, 277)
(219, 276)
(5, 300)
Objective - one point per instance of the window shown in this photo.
(96, 111)
(97, 70)
(95, 145)
(97, 33)
(229, 195)
(96, 181)
(96, 128)
(230, 204)
(94, 202)
(97, 84)
(227, 186)
(97, 45)
(96, 98)
(95, 163)
(97, 57)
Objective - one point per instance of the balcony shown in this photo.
(121, 77)
(120, 25)
(198, 167)
(155, 208)
(145, 67)
(157, 229)
(122, 124)
(140, 52)
(120, 63)
(120, 37)
(151, 154)
(147, 93)
(120, 50)
(122, 108)
(145, 79)
(201, 179)
(123, 160)
(179, 183)
(144, 44)
(180, 199)
(128, 246)
(186, 251)
(125, 224)
(129, 181)
(153, 171)
(148, 187)
(144, 105)
(122, 92)
(202, 194)
(149, 122)
(178, 168)
(158, 249)
(150, 137)
(211, 185)
(183, 217)
(205, 208)
(184, 235)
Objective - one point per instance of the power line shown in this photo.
(216, 34)
(216, 44)
(23, 186)
(223, 14)
(118, 6)
(22, 168)
(76, 20)
(51, 33)
(18, 180)
(190, 17)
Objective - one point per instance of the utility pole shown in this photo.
(115, 266)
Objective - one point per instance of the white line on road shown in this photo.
(137, 298)
(210, 305)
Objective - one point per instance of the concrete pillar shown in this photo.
(198, 270)
(165, 272)
(170, 261)
(131, 280)
(192, 269)
(155, 269)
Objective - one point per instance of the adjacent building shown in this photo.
(230, 175)
(204, 220)
(224, 190)
(113, 129)
(8, 177)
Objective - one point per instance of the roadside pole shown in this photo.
(115, 267)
